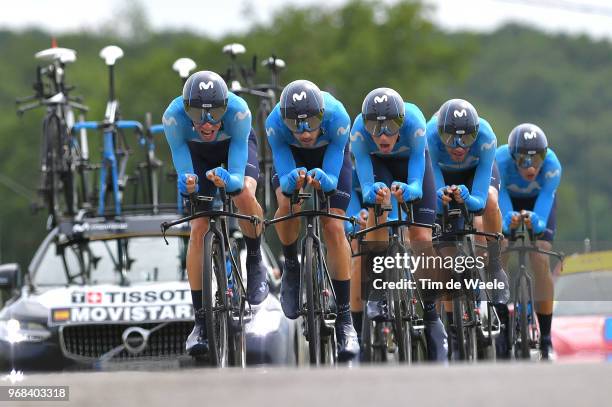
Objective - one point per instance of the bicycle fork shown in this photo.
(110, 160)
(527, 302)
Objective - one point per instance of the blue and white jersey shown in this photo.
(513, 185)
(335, 129)
(236, 128)
(481, 155)
(411, 144)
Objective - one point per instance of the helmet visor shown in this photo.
(525, 160)
(201, 116)
(454, 140)
(311, 123)
(388, 126)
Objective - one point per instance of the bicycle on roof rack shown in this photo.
(267, 94)
(149, 171)
(116, 151)
(60, 151)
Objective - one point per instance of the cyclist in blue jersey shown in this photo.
(530, 175)
(462, 147)
(391, 159)
(308, 133)
(209, 132)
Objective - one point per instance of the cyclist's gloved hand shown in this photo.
(537, 225)
(369, 197)
(232, 182)
(348, 228)
(289, 181)
(506, 224)
(464, 192)
(441, 192)
(328, 183)
(473, 203)
(182, 183)
(409, 192)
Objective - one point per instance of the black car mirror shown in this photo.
(10, 280)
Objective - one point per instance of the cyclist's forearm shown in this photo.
(238, 156)
(416, 171)
(332, 162)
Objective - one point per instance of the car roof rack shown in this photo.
(126, 226)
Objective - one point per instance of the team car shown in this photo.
(101, 291)
(582, 326)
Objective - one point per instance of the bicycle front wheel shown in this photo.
(399, 311)
(523, 299)
(313, 320)
(214, 298)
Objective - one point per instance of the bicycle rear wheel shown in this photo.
(215, 303)
(328, 348)
(374, 341)
(313, 319)
(459, 328)
(237, 353)
(472, 333)
(51, 156)
(419, 346)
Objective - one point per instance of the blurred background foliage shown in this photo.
(515, 74)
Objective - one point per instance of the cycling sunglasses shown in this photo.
(212, 115)
(311, 123)
(525, 160)
(390, 127)
(454, 141)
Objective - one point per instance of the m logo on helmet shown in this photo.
(530, 135)
(206, 85)
(460, 113)
(380, 99)
(300, 96)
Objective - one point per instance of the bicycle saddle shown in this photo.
(111, 54)
(234, 49)
(64, 55)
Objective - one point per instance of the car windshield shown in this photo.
(585, 293)
(119, 261)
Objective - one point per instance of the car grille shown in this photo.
(93, 341)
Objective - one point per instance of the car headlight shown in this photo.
(14, 331)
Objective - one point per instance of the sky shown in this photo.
(217, 18)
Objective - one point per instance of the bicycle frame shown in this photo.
(466, 246)
(59, 105)
(524, 281)
(318, 290)
(401, 303)
(218, 226)
(224, 299)
(111, 127)
(396, 237)
(313, 230)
